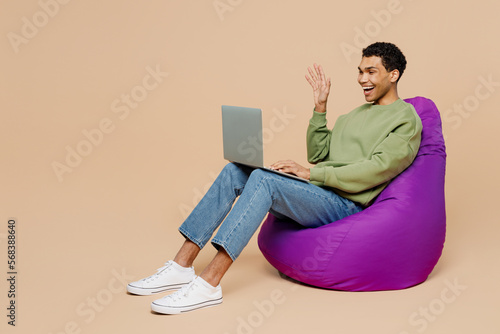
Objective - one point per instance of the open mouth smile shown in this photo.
(368, 90)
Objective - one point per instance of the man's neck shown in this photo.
(389, 98)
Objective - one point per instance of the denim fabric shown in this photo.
(259, 192)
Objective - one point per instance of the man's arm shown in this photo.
(318, 138)
(318, 135)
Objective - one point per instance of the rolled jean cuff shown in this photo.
(186, 235)
(218, 245)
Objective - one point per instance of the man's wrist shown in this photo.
(321, 108)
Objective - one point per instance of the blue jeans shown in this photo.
(260, 192)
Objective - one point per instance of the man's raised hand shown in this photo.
(320, 85)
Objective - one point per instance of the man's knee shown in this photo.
(258, 173)
(230, 168)
(262, 176)
(235, 172)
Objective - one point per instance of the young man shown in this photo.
(354, 162)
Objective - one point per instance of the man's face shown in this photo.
(374, 79)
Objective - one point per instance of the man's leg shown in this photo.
(213, 208)
(198, 228)
(187, 253)
(217, 268)
(264, 191)
(214, 271)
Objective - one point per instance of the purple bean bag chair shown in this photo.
(393, 244)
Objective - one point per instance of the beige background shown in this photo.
(117, 211)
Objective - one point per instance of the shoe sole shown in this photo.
(183, 309)
(151, 291)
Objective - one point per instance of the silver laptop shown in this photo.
(242, 138)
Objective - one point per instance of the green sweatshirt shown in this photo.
(365, 149)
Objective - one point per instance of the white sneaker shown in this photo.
(195, 295)
(169, 277)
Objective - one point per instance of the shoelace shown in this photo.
(183, 292)
(158, 272)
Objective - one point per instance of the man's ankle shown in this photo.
(184, 264)
(213, 281)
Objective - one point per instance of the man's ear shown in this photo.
(394, 75)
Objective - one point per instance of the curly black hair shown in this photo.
(392, 57)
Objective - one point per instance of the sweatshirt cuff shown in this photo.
(318, 118)
(317, 175)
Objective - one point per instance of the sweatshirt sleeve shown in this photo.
(394, 154)
(318, 138)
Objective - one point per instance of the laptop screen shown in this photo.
(242, 135)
